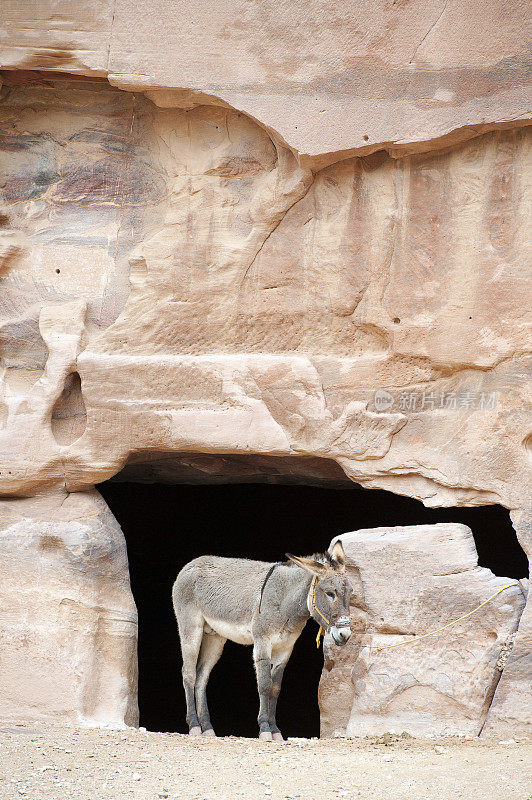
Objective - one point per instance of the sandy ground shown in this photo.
(43, 762)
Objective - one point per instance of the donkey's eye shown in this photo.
(331, 595)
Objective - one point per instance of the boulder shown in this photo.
(409, 581)
(511, 710)
(68, 622)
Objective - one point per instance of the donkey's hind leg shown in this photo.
(211, 649)
(190, 634)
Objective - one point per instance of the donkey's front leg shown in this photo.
(279, 663)
(262, 653)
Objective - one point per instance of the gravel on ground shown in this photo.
(39, 761)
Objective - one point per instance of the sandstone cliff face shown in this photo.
(319, 252)
(180, 272)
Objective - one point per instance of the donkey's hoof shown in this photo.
(278, 737)
(195, 731)
(208, 732)
(266, 736)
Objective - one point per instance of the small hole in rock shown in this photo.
(396, 320)
(58, 271)
(69, 416)
(365, 137)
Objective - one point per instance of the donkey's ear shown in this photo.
(337, 552)
(308, 564)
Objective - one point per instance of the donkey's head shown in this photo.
(328, 598)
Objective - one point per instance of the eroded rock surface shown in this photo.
(409, 581)
(68, 622)
(237, 302)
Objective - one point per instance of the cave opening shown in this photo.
(260, 514)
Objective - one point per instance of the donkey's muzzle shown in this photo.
(341, 631)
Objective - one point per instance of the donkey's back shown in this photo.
(220, 589)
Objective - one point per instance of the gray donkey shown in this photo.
(260, 604)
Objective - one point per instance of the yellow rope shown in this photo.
(321, 631)
(314, 606)
(443, 627)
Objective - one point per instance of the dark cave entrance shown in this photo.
(167, 525)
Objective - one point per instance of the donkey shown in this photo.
(254, 603)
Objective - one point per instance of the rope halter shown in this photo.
(312, 607)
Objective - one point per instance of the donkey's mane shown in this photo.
(325, 558)
(322, 558)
